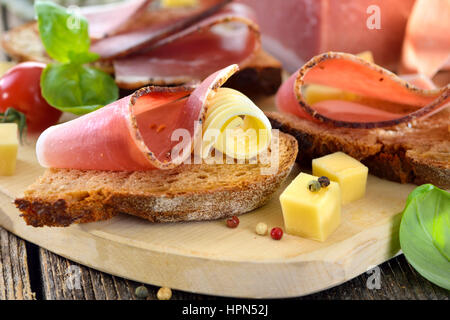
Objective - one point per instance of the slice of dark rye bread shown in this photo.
(418, 152)
(189, 192)
(261, 77)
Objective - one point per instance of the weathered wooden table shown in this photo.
(30, 272)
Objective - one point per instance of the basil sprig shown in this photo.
(69, 85)
(425, 233)
(11, 115)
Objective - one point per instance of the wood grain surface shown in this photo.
(14, 272)
(49, 279)
(398, 281)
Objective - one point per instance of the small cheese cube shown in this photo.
(179, 3)
(314, 93)
(8, 148)
(313, 215)
(347, 171)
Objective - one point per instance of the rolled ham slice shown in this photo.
(133, 133)
(227, 37)
(384, 99)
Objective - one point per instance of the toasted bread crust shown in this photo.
(417, 153)
(41, 212)
(187, 193)
(23, 43)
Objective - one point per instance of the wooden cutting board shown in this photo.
(208, 257)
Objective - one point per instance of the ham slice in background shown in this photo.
(426, 49)
(109, 19)
(296, 30)
(227, 37)
(143, 27)
(382, 98)
(150, 44)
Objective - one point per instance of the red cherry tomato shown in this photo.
(20, 89)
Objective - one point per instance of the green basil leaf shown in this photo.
(425, 233)
(418, 191)
(12, 115)
(76, 88)
(65, 35)
(79, 111)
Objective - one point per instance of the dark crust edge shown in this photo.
(388, 163)
(254, 81)
(39, 213)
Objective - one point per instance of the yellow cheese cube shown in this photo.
(313, 215)
(8, 148)
(178, 3)
(314, 93)
(347, 171)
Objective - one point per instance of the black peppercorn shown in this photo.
(324, 181)
(141, 292)
(314, 186)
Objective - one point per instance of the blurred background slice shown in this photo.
(293, 31)
(15, 12)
